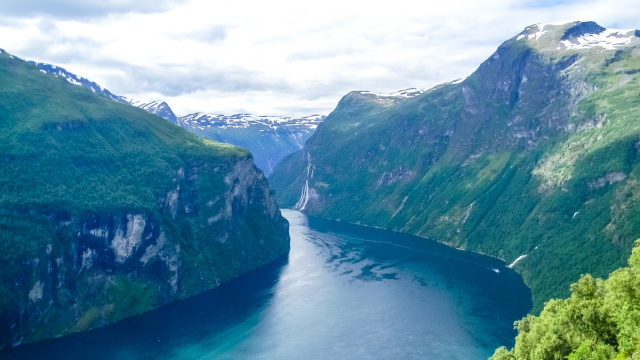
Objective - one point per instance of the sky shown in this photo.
(277, 57)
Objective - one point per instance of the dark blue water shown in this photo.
(344, 292)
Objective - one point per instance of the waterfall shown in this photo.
(304, 197)
(510, 266)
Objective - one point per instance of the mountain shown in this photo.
(533, 158)
(269, 138)
(159, 108)
(77, 80)
(108, 211)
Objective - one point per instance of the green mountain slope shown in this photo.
(600, 321)
(535, 154)
(269, 138)
(108, 211)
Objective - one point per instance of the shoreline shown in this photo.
(509, 266)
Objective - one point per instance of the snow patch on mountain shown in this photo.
(76, 80)
(458, 81)
(536, 35)
(609, 39)
(536, 31)
(407, 93)
(203, 120)
(577, 35)
(159, 108)
(540, 29)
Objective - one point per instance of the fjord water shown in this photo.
(344, 292)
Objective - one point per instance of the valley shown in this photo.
(420, 223)
(109, 212)
(326, 299)
(268, 138)
(533, 156)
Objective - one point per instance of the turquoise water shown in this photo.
(344, 292)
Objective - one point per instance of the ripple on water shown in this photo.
(344, 292)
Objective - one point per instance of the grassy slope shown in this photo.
(63, 147)
(498, 173)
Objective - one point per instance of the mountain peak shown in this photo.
(583, 29)
(576, 35)
(75, 79)
(156, 107)
(201, 120)
(407, 93)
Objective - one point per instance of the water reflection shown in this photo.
(163, 332)
(344, 291)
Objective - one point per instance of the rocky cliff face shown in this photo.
(102, 267)
(107, 212)
(535, 153)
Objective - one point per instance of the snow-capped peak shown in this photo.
(156, 107)
(58, 71)
(147, 105)
(246, 120)
(76, 80)
(458, 81)
(609, 39)
(407, 93)
(576, 35)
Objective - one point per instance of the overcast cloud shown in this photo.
(82, 9)
(277, 57)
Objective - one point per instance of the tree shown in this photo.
(599, 321)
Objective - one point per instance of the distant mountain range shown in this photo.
(533, 158)
(159, 108)
(269, 138)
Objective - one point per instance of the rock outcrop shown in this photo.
(107, 212)
(535, 153)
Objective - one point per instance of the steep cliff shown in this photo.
(533, 157)
(107, 211)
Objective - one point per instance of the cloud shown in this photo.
(274, 103)
(210, 34)
(181, 80)
(81, 9)
(278, 57)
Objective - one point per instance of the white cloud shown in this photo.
(282, 57)
(73, 9)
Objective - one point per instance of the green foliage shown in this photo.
(78, 173)
(502, 354)
(546, 164)
(599, 321)
(64, 149)
(591, 351)
(130, 297)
